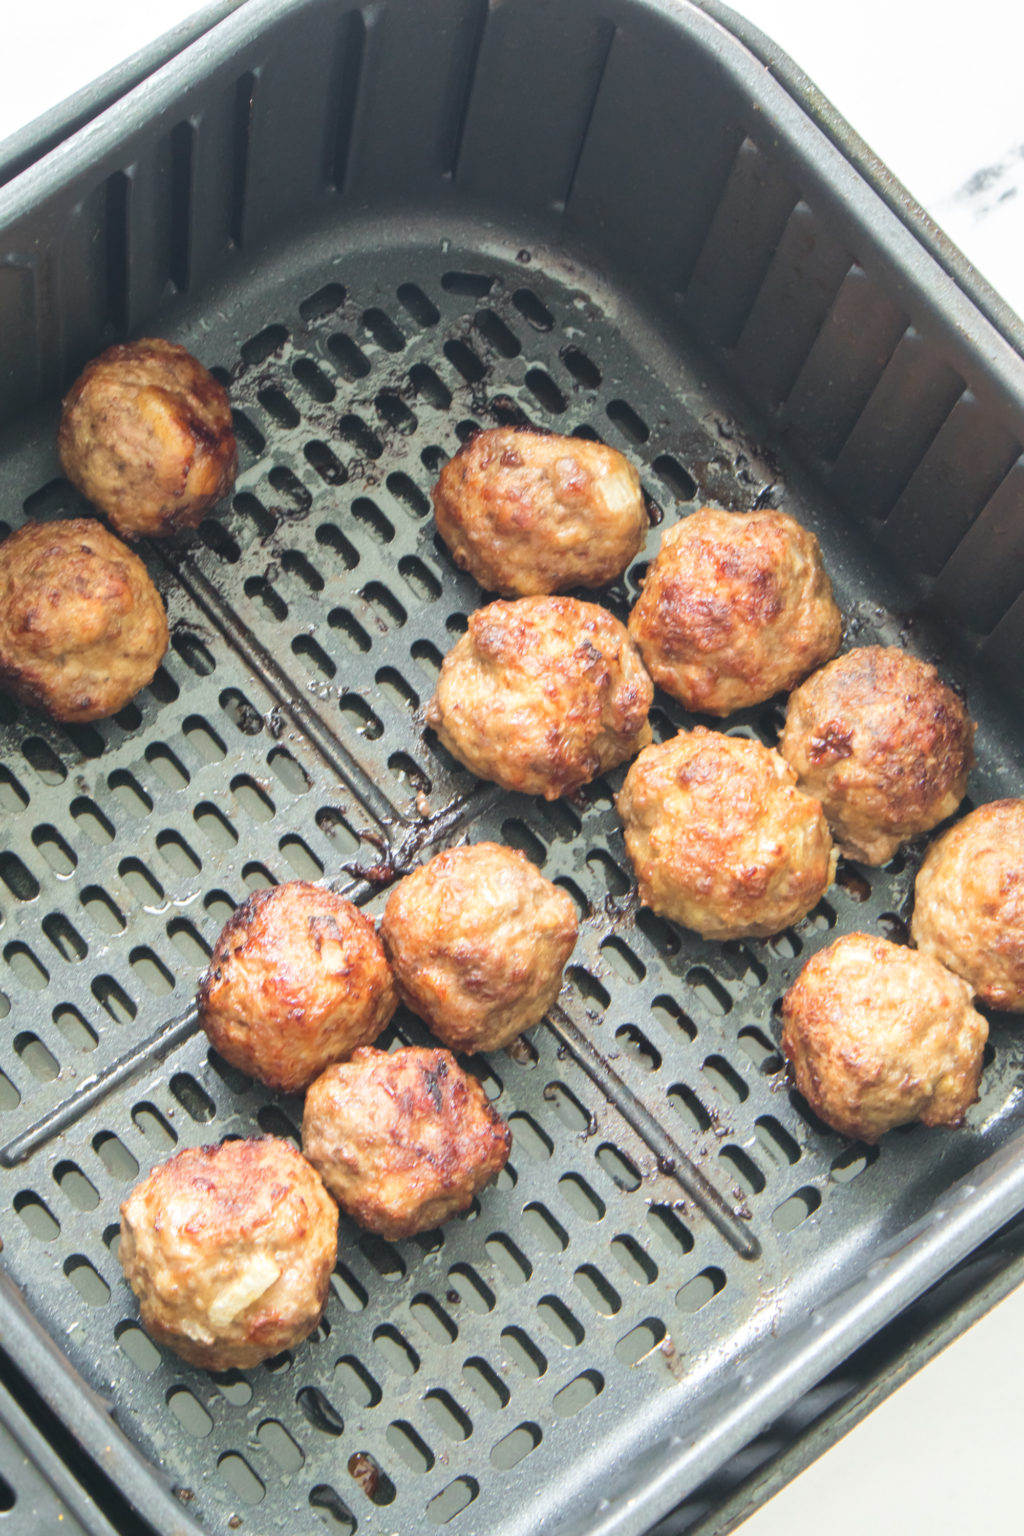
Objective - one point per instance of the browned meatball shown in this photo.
(527, 512)
(82, 627)
(297, 979)
(885, 746)
(735, 607)
(230, 1250)
(880, 1035)
(541, 695)
(403, 1139)
(969, 902)
(477, 939)
(146, 435)
(721, 839)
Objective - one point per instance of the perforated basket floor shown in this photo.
(669, 1201)
(386, 226)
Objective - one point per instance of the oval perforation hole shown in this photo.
(137, 1347)
(633, 1261)
(86, 1280)
(37, 1216)
(590, 989)
(194, 1100)
(563, 1326)
(578, 1394)
(528, 1138)
(497, 334)
(794, 1211)
(322, 460)
(696, 1293)
(151, 971)
(852, 1162)
(524, 1353)
(332, 1509)
(485, 1383)
(275, 1439)
(64, 937)
(356, 1383)
(112, 997)
(46, 764)
(514, 1447)
(725, 1080)
(156, 1130)
(115, 1156)
(319, 1411)
(468, 1287)
(409, 1446)
(686, 1104)
(372, 519)
(241, 1478)
(396, 1351)
(508, 1259)
(465, 361)
(75, 1187)
(583, 369)
(349, 358)
(747, 1176)
(313, 380)
(445, 1412)
(433, 1319)
(19, 880)
(640, 1341)
(431, 388)
(573, 1115)
(33, 1053)
(322, 303)
(581, 1198)
(360, 435)
(74, 1028)
(622, 960)
(618, 1167)
(533, 309)
(416, 303)
(545, 391)
(629, 423)
(189, 1412)
(332, 538)
(676, 1024)
(598, 1290)
(776, 1141)
(635, 1044)
(547, 1234)
(451, 1501)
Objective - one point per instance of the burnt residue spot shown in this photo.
(365, 1471)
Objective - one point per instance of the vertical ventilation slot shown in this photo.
(182, 151)
(245, 109)
(349, 49)
(462, 95)
(604, 43)
(118, 195)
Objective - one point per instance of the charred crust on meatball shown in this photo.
(402, 1139)
(146, 434)
(529, 513)
(734, 608)
(884, 743)
(82, 627)
(297, 979)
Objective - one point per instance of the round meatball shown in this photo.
(230, 1250)
(721, 839)
(886, 747)
(146, 435)
(403, 1139)
(735, 607)
(880, 1035)
(477, 939)
(82, 627)
(541, 695)
(528, 512)
(297, 979)
(969, 903)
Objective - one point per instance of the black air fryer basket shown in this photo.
(387, 226)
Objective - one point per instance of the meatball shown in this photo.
(527, 512)
(721, 839)
(230, 1250)
(477, 939)
(969, 903)
(297, 979)
(885, 746)
(403, 1139)
(541, 695)
(880, 1035)
(146, 435)
(735, 607)
(82, 627)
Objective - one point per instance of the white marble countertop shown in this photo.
(935, 91)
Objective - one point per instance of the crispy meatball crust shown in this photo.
(82, 627)
(969, 902)
(527, 512)
(721, 839)
(297, 979)
(477, 939)
(229, 1250)
(880, 1035)
(542, 694)
(735, 607)
(403, 1139)
(884, 744)
(146, 435)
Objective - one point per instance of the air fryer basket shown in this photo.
(386, 227)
